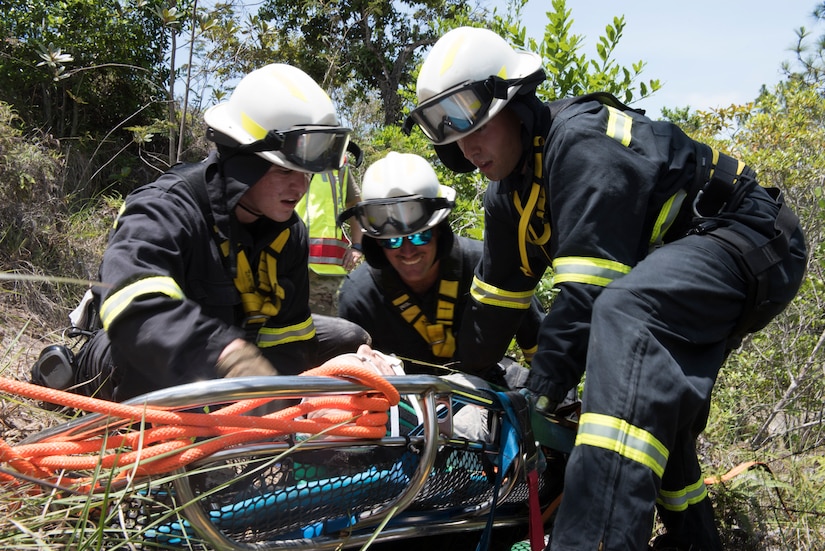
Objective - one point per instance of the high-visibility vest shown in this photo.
(319, 208)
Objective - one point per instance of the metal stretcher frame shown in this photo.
(432, 437)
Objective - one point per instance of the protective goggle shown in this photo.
(417, 239)
(457, 110)
(313, 148)
(395, 216)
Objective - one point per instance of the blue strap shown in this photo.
(511, 439)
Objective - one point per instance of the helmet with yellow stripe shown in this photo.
(468, 77)
(281, 114)
(400, 196)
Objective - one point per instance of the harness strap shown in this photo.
(516, 440)
(261, 295)
(716, 194)
(439, 335)
(536, 203)
(756, 262)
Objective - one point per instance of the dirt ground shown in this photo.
(22, 336)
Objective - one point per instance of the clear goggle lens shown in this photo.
(454, 111)
(417, 239)
(395, 216)
(313, 148)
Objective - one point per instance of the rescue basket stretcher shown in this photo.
(330, 492)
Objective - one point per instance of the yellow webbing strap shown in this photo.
(261, 299)
(536, 203)
(438, 335)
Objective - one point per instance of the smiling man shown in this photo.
(411, 293)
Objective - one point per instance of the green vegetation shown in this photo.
(92, 106)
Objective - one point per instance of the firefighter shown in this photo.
(664, 253)
(205, 272)
(332, 252)
(411, 293)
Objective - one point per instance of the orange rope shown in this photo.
(166, 441)
(736, 471)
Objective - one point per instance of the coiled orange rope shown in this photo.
(170, 440)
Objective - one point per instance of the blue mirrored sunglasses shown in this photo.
(417, 239)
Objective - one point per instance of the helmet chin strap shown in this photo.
(249, 210)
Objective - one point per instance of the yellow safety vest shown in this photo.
(319, 208)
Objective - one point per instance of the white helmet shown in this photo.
(280, 113)
(467, 78)
(401, 196)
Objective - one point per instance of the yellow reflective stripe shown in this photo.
(328, 269)
(120, 212)
(493, 296)
(274, 336)
(618, 125)
(117, 302)
(529, 352)
(680, 500)
(668, 214)
(252, 127)
(634, 443)
(580, 269)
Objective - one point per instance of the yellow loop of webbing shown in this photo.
(265, 297)
(529, 208)
(442, 340)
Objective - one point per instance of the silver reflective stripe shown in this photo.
(670, 210)
(619, 125)
(612, 433)
(274, 336)
(493, 296)
(117, 302)
(595, 271)
(679, 500)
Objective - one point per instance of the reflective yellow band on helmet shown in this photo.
(614, 434)
(274, 336)
(252, 127)
(113, 306)
(493, 296)
(668, 214)
(618, 125)
(595, 271)
(680, 500)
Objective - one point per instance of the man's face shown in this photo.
(495, 148)
(274, 195)
(416, 265)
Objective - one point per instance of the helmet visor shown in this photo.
(396, 216)
(312, 148)
(454, 111)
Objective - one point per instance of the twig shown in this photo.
(759, 437)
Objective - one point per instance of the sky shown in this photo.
(707, 54)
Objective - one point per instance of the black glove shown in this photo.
(246, 361)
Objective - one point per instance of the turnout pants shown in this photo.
(658, 338)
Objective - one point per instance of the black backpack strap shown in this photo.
(604, 98)
(756, 262)
(192, 175)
